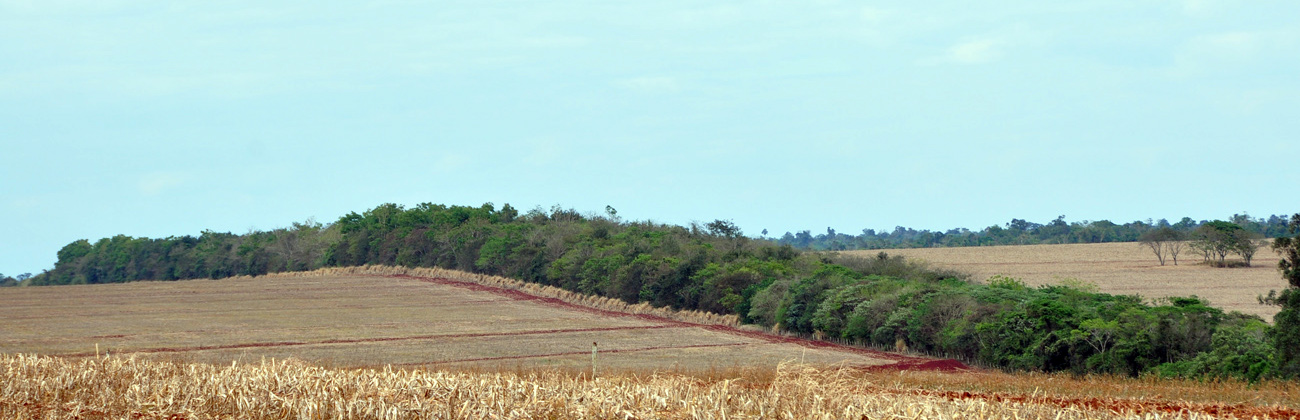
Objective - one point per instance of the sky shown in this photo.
(166, 118)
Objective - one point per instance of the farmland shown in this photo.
(379, 342)
(887, 303)
(365, 318)
(130, 387)
(1116, 268)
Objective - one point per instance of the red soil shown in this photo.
(938, 365)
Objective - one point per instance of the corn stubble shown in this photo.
(36, 387)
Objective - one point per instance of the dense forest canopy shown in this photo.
(883, 300)
(1018, 232)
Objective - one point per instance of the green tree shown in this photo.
(1217, 239)
(1245, 243)
(1286, 329)
(724, 228)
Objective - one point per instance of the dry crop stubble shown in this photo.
(1123, 268)
(129, 387)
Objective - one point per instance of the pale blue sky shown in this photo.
(153, 118)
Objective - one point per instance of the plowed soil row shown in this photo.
(902, 362)
(205, 331)
(197, 331)
(121, 313)
(377, 340)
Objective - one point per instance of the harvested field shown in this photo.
(1117, 268)
(130, 387)
(381, 316)
(397, 343)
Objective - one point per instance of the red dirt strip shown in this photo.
(372, 340)
(903, 362)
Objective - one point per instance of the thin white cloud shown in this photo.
(973, 52)
(1198, 7)
(1252, 101)
(653, 84)
(1238, 50)
(160, 182)
(874, 15)
(234, 84)
(452, 163)
(26, 203)
(544, 151)
(1231, 42)
(976, 51)
(555, 41)
(56, 7)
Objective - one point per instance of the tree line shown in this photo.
(882, 300)
(1019, 232)
(6, 281)
(1214, 241)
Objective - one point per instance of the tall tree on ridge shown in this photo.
(1286, 324)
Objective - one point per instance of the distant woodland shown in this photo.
(882, 301)
(1019, 232)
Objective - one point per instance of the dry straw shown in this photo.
(128, 387)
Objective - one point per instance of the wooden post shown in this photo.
(593, 360)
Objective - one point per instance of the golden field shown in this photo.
(1118, 268)
(378, 316)
(135, 388)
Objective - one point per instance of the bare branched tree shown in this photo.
(1160, 241)
(1175, 247)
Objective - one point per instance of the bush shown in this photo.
(1240, 351)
